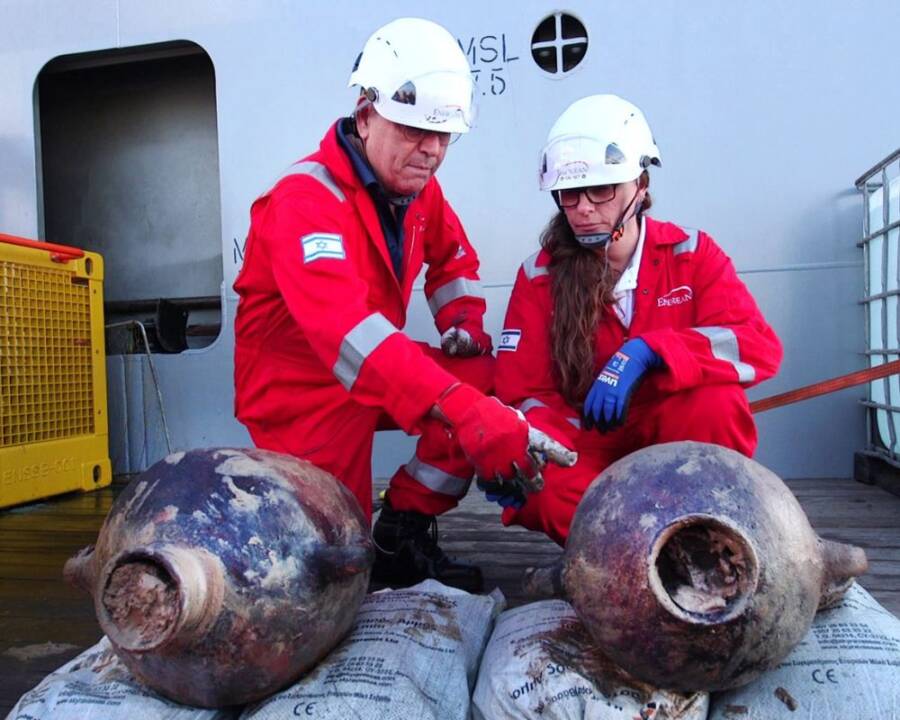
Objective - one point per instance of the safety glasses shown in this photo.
(417, 135)
(408, 132)
(597, 194)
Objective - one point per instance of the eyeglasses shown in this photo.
(417, 135)
(597, 194)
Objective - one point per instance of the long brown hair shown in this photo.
(582, 283)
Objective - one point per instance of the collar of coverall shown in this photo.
(628, 280)
(353, 146)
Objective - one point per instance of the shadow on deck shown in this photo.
(44, 623)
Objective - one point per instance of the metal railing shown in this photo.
(880, 188)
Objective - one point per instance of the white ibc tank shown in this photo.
(882, 268)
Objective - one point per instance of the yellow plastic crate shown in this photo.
(54, 434)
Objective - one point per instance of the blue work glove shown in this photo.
(606, 404)
(504, 493)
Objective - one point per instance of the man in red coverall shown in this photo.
(330, 260)
(622, 324)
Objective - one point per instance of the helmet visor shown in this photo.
(573, 161)
(441, 101)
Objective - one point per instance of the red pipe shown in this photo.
(826, 386)
(58, 253)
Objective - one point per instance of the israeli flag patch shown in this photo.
(318, 246)
(509, 340)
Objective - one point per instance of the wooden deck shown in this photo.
(43, 622)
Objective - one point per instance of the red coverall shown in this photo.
(320, 360)
(691, 309)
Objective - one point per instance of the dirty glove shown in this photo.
(493, 436)
(543, 449)
(606, 404)
(462, 342)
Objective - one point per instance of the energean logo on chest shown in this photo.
(676, 296)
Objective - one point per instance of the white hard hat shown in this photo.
(415, 73)
(598, 140)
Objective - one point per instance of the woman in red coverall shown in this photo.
(622, 331)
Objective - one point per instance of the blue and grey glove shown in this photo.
(503, 492)
(512, 491)
(606, 404)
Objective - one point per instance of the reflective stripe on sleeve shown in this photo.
(531, 403)
(724, 346)
(688, 245)
(453, 290)
(358, 344)
(531, 269)
(436, 479)
(316, 170)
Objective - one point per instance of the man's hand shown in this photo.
(542, 448)
(606, 404)
(493, 436)
(460, 342)
(507, 453)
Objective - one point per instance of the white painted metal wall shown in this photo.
(764, 112)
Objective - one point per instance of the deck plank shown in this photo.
(37, 608)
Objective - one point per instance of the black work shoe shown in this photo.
(406, 553)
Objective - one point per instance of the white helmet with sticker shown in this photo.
(415, 73)
(598, 140)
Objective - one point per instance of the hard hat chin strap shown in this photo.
(601, 239)
(597, 240)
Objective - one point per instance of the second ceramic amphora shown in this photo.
(695, 568)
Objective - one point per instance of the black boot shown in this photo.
(406, 552)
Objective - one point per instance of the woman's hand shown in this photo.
(606, 404)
